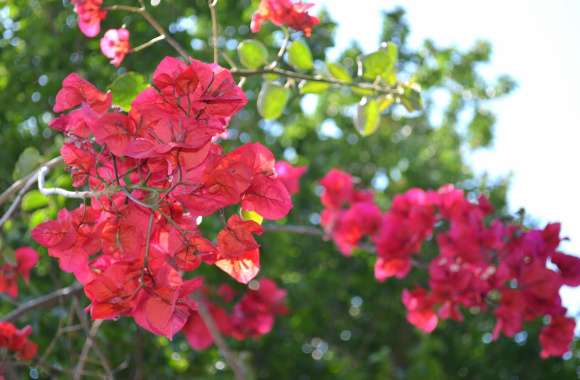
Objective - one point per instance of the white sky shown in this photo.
(537, 42)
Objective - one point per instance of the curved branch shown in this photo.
(44, 301)
(57, 191)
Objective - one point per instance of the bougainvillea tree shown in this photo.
(168, 198)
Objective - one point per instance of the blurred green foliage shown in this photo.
(343, 324)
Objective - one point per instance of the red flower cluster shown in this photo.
(480, 259)
(290, 175)
(90, 16)
(285, 12)
(17, 341)
(26, 259)
(115, 45)
(251, 317)
(347, 226)
(155, 171)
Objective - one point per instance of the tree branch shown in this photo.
(57, 191)
(44, 301)
(387, 90)
(86, 349)
(233, 361)
(214, 29)
(158, 28)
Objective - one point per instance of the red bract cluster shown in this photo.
(483, 263)
(154, 172)
(251, 317)
(349, 214)
(285, 12)
(26, 258)
(90, 16)
(17, 341)
(115, 45)
(290, 175)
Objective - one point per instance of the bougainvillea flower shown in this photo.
(16, 340)
(115, 45)
(238, 251)
(569, 267)
(290, 175)
(420, 311)
(285, 12)
(90, 16)
(26, 259)
(338, 188)
(557, 337)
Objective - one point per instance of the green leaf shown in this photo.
(252, 215)
(480, 129)
(34, 200)
(385, 102)
(339, 72)
(308, 87)
(411, 98)
(126, 87)
(368, 116)
(28, 160)
(39, 216)
(381, 63)
(272, 100)
(299, 56)
(363, 91)
(252, 54)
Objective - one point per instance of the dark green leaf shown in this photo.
(411, 98)
(28, 160)
(480, 129)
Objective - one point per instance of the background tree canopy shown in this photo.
(342, 323)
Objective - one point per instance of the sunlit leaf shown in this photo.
(311, 87)
(272, 100)
(339, 72)
(34, 200)
(252, 215)
(368, 116)
(381, 64)
(299, 56)
(252, 54)
(126, 87)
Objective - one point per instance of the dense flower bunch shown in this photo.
(17, 341)
(153, 173)
(285, 12)
(25, 259)
(483, 263)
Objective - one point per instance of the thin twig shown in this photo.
(282, 50)
(233, 361)
(145, 45)
(58, 191)
(13, 189)
(291, 74)
(153, 22)
(214, 29)
(44, 301)
(86, 349)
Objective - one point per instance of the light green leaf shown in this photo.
(126, 87)
(39, 216)
(252, 54)
(381, 63)
(385, 102)
(339, 72)
(34, 200)
(28, 160)
(308, 87)
(368, 116)
(272, 100)
(299, 56)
